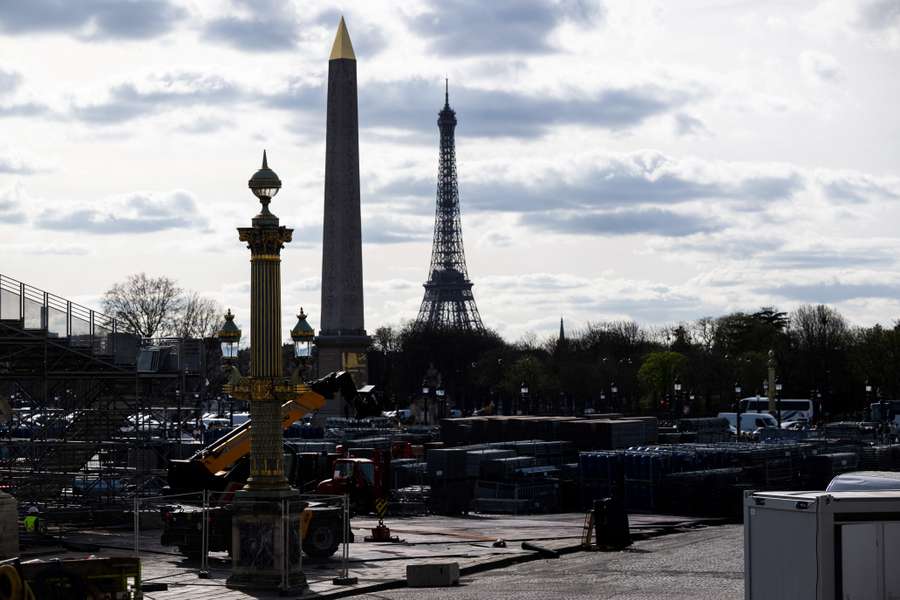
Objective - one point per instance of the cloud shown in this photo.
(779, 251)
(9, 82)
(598, 298)
(472, 27)
(653, 221)
(499, 239)
(11, 201)
(203, 125)
(489, 113)
(824, 257)
(262, 26)
(500, 113)
(24, 109)
(11, 163)
(834, 291)
(383, 229)
(820, 67)
(686, 125)
(127, 101)
(139, 212)
(595, 181)
(879, 14)
(857, 188)
(91, 19)
(48, 249)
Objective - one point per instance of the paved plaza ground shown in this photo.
(673, 557)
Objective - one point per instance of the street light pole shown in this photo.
(778, 401)
(737, 396)
(258, 518)
(676, 401)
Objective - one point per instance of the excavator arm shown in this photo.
(201, 470)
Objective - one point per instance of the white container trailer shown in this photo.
(822, 546)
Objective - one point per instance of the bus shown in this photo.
(792, 409)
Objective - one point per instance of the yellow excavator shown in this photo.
(223, 466)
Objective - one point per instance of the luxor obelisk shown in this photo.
(342, 340)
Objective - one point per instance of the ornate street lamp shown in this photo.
(265, 554)
(302, 335)
(229, 339)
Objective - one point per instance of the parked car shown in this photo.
(859, 481)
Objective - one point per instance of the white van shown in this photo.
(750, 422)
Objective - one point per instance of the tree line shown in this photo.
(624, 366)
(605, 366)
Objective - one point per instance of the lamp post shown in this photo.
(676, 401)
(778, 401)
(229, 340)
(302, 335)
(737, 397)
(613, 390)
(425, 391)
(523, 390)
(440, 394)
(265, 554)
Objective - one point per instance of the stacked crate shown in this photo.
(601, 475)
(475, 458)
(451, 488)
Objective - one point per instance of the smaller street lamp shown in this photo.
(229, 340)
(737, 395)
(523, 390)
(302, 335)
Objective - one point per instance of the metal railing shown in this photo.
(59, 317)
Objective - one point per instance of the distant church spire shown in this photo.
(562, 331)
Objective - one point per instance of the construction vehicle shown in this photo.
(79, 579)
(223, 467)
(359, 478)
(364, 475)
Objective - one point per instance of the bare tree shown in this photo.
(386, 339)
(147, 305)
(198, 317)
(820, 327)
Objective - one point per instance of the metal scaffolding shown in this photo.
(86, 407)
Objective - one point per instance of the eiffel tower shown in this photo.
(448, 301)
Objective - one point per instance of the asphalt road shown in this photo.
(705, 564)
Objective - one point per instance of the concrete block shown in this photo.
(432, 575)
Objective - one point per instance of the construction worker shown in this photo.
(33, 521)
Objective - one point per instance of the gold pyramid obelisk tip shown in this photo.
(342, 47)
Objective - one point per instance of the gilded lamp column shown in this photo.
(265, 238)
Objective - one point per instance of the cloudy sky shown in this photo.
(659, 161)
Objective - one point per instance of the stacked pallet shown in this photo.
(475, 458)
(504, 469)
